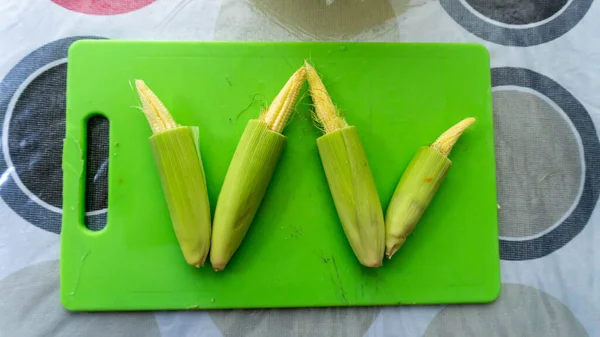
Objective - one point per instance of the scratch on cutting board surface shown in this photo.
(74, 167)
(151, 291)
(338, 281)
(334, 275)
(78, 277)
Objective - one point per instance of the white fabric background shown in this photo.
(556, 294)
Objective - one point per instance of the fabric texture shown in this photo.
(545, 60)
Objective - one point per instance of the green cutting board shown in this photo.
(399, 96)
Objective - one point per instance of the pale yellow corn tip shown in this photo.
(446, 141)
(157, 114)
(326, 112)
(278, 113)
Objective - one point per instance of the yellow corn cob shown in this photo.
(418, 185)
(349, 177)
(179, 165)
(250, 172)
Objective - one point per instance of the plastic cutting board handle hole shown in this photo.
(96, 172)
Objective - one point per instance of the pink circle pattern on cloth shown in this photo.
(103, 7)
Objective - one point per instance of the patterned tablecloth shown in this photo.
(545, 73)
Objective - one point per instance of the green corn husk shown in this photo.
(246, 182)
(184, 185)
(349, 177)
(418, 186)
(354, 193)
(179, 165)
(414, 192)
(250, 172)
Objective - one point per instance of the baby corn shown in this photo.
(250, 172)
(418, 185)
(179, 165)
(349, 177)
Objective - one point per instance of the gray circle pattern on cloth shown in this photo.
(519, 311)
(36, 154)
(517, 12)
(310, 20)
(538, 163)
(520, 35)
(577, 219)
(30, 306)
(36, 130)
(317, 322)
(321, 19)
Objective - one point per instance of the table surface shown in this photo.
(545, 60)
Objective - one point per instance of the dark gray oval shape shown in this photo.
(522, 37)
(36, 131)
(30, 306)
(519, 311)
(517, 12)
(10, 192)
(96, 170)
